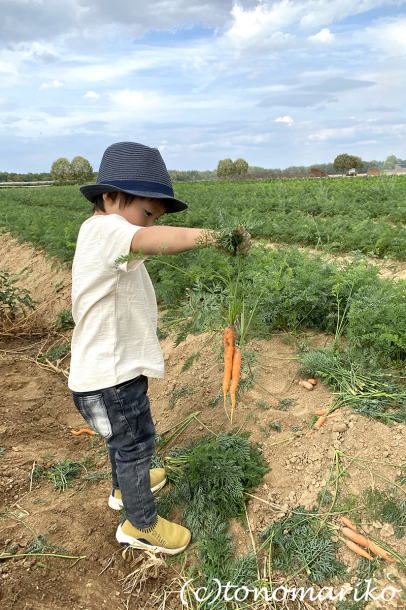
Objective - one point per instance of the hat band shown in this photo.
(140, 185)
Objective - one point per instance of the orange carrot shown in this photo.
(306, 384)
(333, 415)
(82, 431)
(235, 378)
(39, 252)
(229, 347)
(349, 524)
(354, 547)
(309, 433)
(312, 381)
(320, 421)
(360, 539)
(322, 412)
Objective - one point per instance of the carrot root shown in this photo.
(349, 524)
(235, 378)
(320, 421)
(357, 549)
(360, 539)
(322, 412)
(306, 384)
(83, 430)
(312, 381)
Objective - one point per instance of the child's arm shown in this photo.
(168, 240)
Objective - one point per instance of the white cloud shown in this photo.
(56, 84)
(284, 119)
(324, 37)
(386, 35)
(340, 133)
(92, 96)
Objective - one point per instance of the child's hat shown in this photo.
(135, 169)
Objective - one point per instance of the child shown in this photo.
(114, 346)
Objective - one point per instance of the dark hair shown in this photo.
(125, 200)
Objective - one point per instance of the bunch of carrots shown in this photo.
(355, 539)
(232, 365)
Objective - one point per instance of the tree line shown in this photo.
(80, 171)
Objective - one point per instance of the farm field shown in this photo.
(335, 215)
(338, 320)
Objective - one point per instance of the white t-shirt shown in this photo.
(115, 310)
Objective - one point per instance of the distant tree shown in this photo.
(390, 162)
(344, 162)
(61, 171)
(81, 170)
(240, 166)
(225, 168)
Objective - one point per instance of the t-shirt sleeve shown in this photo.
(116, 234)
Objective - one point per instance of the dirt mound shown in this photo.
(37, 416)
(315, 172)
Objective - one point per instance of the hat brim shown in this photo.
(90, 191)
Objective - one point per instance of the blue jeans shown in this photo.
(121, 414)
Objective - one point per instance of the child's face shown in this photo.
(142, 211)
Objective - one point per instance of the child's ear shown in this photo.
(109, 198)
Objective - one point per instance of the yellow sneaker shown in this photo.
(162, 537)
(158, 480)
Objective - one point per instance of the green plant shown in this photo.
(275, 426)
(13, 298)
(64, 320)
(56, 352)
(2, 451)
(62, 472)
(178, 393)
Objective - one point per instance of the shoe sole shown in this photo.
(117, 504)
(125, 540)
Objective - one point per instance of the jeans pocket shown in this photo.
(93, 410)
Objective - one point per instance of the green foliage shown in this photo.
(344, 162)
(386, 506)
(56, 352)
(301, 542)
(285, 403)
(13, 298)
(64, 321)
(61, 171)
(62, 472)
(390, 162)
(365, 571)
(357, 383)
(190, 360)
(81, 171)
(225, 167)
(2, 451)
(211, 476)
(240, 166)
(178, 393)
(275, 426)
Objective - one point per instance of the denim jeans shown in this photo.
(121, 414)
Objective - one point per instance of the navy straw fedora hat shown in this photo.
(135, 169)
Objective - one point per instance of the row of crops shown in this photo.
(336, 215)
(289, 288)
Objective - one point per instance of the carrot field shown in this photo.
(320, 296)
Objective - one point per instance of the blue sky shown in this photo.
(279, 83)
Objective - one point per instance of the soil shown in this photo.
(38, 414)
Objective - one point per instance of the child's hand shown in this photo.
(244, 246)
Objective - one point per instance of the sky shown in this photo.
(278, 83)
